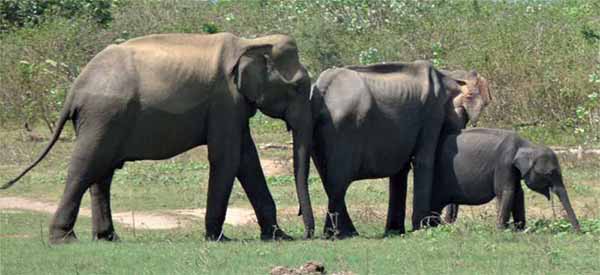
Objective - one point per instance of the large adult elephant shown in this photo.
(156, 96)
(370, 121)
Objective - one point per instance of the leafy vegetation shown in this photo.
(21, 13)
(542, 57)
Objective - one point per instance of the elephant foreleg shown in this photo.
(505, 194)
(102, 223)
(504, 206)
(423, 171)
(518, 209)
(397, 203)
(224, 158)
(251, 176)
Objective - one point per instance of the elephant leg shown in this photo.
(397, 203)
(84, 169)
(251, 176)
(505, 180)
(337, 221)
(451, 213)
(423, 169)
(102, 223)
(518, 209)
(504, 205)
(224, 158)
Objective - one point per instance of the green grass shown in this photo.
(471, 246)
(466, 248)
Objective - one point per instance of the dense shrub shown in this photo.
(19, 13)
(542, 57)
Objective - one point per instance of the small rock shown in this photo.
(312, 267)
(281, 270)
(309, 268)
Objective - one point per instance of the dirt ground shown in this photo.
(164, 219)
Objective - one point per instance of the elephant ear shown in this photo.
(250, 76)
(524, 160)
(484, 88)
(250, 71)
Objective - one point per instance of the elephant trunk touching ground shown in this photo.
(561, 192)
(299, 118)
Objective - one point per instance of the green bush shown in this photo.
(541, 57)
(19, 13)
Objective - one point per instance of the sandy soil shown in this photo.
(163, 219)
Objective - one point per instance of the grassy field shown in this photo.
(470, 246)
(542, 59)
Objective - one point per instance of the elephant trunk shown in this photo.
(300, 121)
(561, 192)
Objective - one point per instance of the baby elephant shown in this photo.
(479, 164)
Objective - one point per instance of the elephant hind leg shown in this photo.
(102, 223)
(82, 173)
(451, 213)
(92, 162)
(338, 223)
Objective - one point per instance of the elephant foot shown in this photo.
(108, 236)
(332, 234)
(217, 238)
(501, 227)
(519, 226)
(394, 232)
(426, 222)
(62, 237)
(276, 235)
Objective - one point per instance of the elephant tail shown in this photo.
(64, 117)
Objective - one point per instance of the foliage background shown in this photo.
(542, 57)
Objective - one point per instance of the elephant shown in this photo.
(480, 164)
(369, 121)
(156, 96)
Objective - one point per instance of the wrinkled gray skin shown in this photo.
(477, 165)
(154, 97)
(370, 121)
(463, 109)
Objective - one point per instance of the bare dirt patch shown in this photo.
(164, 219)
(275, 167)
(235, 216)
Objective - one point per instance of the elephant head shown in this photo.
(269, 75)
(540, 168)
(471, 95)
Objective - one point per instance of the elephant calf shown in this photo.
(479, 164)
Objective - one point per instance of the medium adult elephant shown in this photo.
(154, 97)
(477, 165)
(457, 119)
(371, 120)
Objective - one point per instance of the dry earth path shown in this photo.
(163, 219)
(160, 219)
